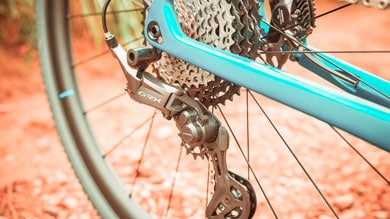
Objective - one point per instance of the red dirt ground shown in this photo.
(36, 180)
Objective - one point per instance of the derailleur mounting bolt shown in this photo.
(154, 32)
(141, 57)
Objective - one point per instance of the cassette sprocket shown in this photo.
(231, 25)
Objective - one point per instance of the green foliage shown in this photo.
(17, 23)
(129, 24)
(124, 19)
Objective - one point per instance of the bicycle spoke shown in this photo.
(318, 53)
(119, 143)
(359, 80)
(74, 16)
(281, 31)
(105, 52)
(247, 128)
(331, 51)
(321, 15)
(91, 58)
(302, 22)
(104, 103)
(360, 155)
(294, 156)
(174, 182)
(137, 172)
(207, 185)
(141, 174)
(247, 162)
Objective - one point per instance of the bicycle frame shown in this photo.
(358, 116)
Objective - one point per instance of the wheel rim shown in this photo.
(77, 116)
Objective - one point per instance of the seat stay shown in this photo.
(355, 115)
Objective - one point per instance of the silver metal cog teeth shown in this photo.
(248, 34)
(201, 21)
(192, 150)
(231, 25)
(307, 9)
(215, 87)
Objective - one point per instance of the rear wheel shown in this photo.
(127, 156)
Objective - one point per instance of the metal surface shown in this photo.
(290, 20)
(228, 25)
(334, 107)
(233, 196)
(232, 26)
(201, 132)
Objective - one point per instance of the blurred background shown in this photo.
(36, 180)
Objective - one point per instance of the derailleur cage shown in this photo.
(199, 130)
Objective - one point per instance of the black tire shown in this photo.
(95, 175)
(102, 185)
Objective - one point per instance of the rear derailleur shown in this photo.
(201, 132)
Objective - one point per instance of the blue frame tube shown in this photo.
(355, 115)
(321, 63)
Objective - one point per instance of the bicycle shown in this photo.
(244, 49)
